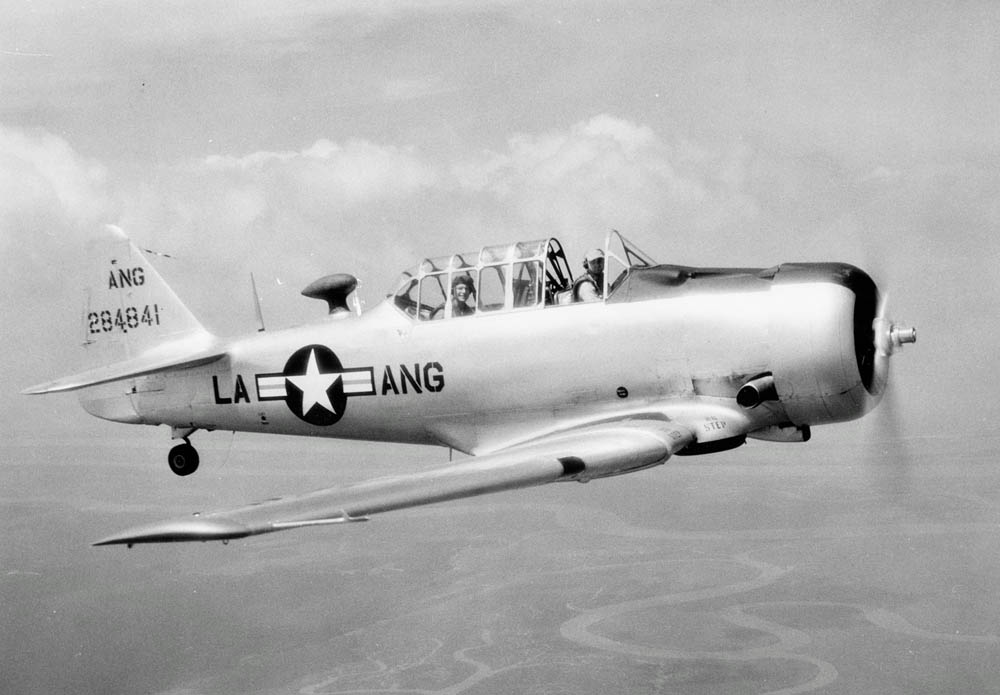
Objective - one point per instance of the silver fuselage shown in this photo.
(671, 341)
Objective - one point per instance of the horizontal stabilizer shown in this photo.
(163, 358)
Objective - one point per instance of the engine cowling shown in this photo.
(826, 363)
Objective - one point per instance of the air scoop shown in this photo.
(334, 290)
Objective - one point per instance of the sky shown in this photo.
(294, 140)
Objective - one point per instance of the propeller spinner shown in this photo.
(887, 338)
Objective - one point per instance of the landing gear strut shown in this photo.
(183, 458)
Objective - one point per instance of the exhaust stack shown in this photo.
(759, 389)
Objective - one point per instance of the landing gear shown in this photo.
(183, 458)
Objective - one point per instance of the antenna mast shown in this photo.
(256, 306)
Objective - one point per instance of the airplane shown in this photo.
(534, 387)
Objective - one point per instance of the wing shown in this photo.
(581, 454)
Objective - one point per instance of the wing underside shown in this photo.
(580, 454)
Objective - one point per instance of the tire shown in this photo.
(183, 459)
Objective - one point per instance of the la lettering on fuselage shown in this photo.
(428, 377)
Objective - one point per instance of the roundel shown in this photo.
(314, 385)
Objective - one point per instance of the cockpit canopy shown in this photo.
(508, 277)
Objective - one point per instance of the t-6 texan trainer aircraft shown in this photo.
(487, 352)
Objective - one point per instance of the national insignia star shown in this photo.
(314, 385)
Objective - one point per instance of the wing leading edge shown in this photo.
(582, 454)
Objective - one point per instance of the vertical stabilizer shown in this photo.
(129, 307)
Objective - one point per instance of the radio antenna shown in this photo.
(256, 306)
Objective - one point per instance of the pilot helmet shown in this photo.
(593, 255)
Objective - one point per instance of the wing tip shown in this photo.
(47, 387)
(196, 529)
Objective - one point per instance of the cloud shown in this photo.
(596, 174)
(576, 183)
(610, 172)
(45, 186)
(330, 174)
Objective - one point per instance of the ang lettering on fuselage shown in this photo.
(433, 379)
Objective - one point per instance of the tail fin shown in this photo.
(129, 306)
(133, 323)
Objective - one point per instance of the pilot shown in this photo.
(462, 290)
(589, 286)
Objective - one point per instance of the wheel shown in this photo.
(183, 459)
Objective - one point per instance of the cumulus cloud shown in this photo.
(310, 196)
(328, 173)
(596, 174)
(46, 187)
(609, 172)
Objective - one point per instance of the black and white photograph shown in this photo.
(307, 305)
